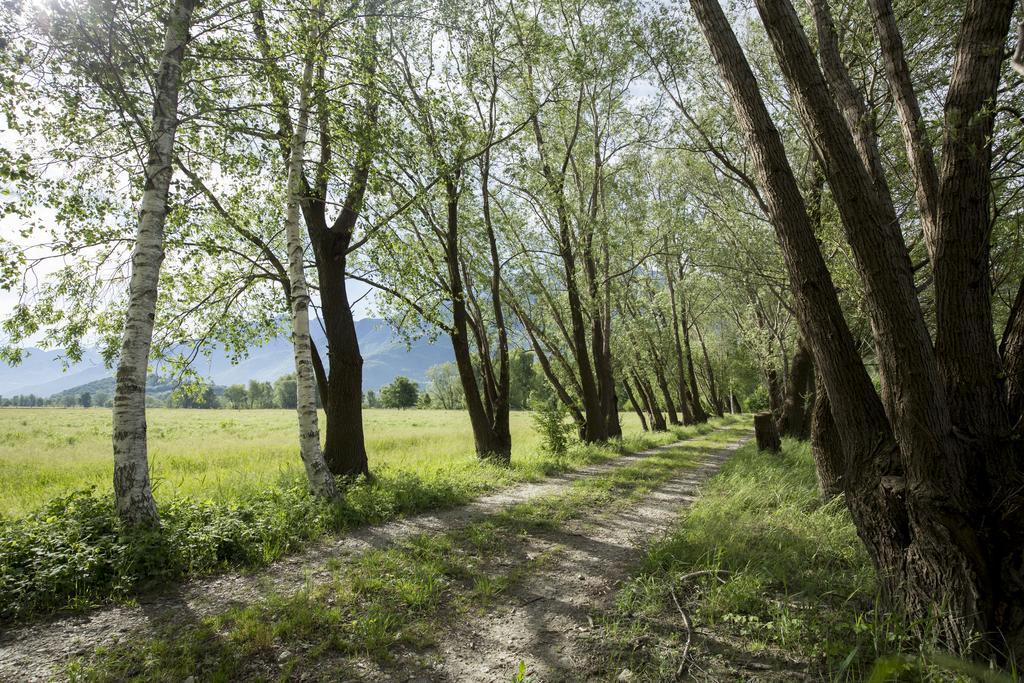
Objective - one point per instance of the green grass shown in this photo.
(386, 602)
(72, 553)
(228, 454)
(797, 593)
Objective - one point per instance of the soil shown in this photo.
(549, 624)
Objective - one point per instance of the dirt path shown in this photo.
(36, 652)
(547, 623)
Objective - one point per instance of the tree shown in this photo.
(334, 242)
(236, 396)
(320, 479)
(523, 378)
(133, 495)
(285, 392)
(85, 400)
(401, 393)
(445, 386)
(261, 394)
(371, 399)
(939, 511)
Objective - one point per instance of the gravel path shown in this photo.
(36, 652)
(546, 623)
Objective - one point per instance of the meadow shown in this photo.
(229, 454)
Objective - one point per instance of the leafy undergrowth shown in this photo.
(73, 554)
(386, 601)
(777, 586)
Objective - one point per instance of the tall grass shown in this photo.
(228, 454)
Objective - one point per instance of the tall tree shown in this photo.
(936, 496)
(320, 479)
(133, 495)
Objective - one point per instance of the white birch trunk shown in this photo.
(320, 480)
(133, 496)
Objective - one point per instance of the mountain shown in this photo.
(385, 356)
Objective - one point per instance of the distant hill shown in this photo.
(385, 356)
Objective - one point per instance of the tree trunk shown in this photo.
(716, 400)
(766, 433)
(915, 135)
(636, 406)
(684, 395)
(699, 414)
(796, 417)
(605, 378)
(491, 443)
(501, 402)
(133, 495)
(320, 480)
(826, 446)
(1011, 348)
(344, 446)
(670, 406)
(874, 494)
(657, 420)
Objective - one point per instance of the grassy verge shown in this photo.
(73, 554)
(386, 601)
(777, 586)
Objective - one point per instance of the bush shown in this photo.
(74, 553)
(549, 420)
(758, 400)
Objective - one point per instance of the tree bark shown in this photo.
(1011, 348)
(766, 434)
(133, 495)
(320, 480)
(826, 447)
(915, 135)
(849, 99)
(965, 348)
(684, 394)
(796, 418)
(699, 414)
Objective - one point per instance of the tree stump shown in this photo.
(766, 433)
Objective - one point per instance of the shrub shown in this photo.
(549, 420)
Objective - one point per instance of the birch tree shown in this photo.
(320, 479)
(133, 494)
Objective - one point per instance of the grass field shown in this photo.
(227, 454)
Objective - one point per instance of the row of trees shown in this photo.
(85, 400)
(833, 234)
(487, 181)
